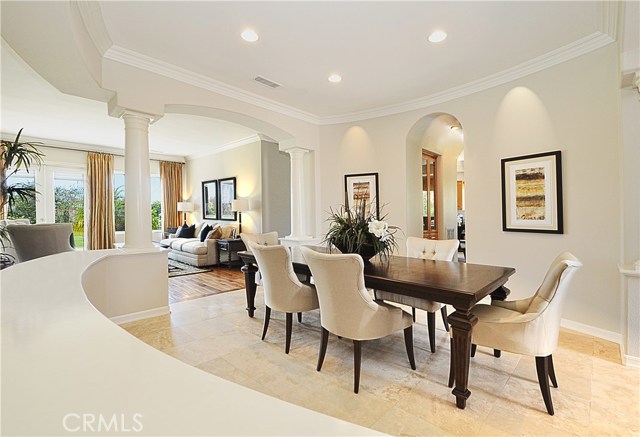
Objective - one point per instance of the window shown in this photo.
(22, 207)
(429, 196)
(69, 203)
(118, 207)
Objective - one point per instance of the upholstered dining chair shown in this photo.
(282, 289)
(265, 239)
(528, 326)
(439, 250)
(36, 241)
(347, 309)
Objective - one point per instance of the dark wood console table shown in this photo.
(461, 285)
(228, 251)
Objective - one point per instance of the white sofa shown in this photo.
(194, 252)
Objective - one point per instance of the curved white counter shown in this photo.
(68, 370)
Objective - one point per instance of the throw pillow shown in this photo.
(216, 233)
(186, 231)
(204, 232)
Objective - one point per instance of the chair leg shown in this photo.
(413, 313)
(451, 375)
(542, 367)
(431, 326)
(267, 317)
(497, 353)
(552, 372)
(473, 349)
(408, 342)
(299, 317)
(357, 359)
(288, 332)
(323, 348)
(443, 312)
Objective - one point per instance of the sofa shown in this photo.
(8, 246)
(198, 253)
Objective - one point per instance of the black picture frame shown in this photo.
(532, 193)
(362, 186)
(210, 199)
(227, 187)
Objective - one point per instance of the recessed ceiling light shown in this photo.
(249, 35)
(335, 78)
(438, 36)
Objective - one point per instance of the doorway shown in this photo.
(430, 208)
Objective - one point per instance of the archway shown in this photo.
(441, 135)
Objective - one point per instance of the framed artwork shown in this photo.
(210, 200)
(532, 193)
(227, 195)
(360, 188)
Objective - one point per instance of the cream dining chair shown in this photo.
(265, 239)
(347, 309)
(439, 250)
(528, 326)
(282, 289)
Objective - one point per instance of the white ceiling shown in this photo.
(379, 48)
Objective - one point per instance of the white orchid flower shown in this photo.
(378, 228)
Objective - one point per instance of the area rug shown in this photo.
(177, 268)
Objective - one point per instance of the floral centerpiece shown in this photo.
(358, 230)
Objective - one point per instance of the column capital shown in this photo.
(299, 151)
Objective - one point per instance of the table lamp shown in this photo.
(240, 205)
(185, 207)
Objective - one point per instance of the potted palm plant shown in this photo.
(14, 156)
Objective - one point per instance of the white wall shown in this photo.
(631, 175)
(276, 190)
(573, 107)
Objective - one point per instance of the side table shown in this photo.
(228, 251)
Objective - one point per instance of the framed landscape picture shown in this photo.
(210, 200)
(227, 195)
(532, 193)
(360, 188)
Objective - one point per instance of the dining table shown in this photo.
(458, 284)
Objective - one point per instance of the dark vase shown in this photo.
(366, 251)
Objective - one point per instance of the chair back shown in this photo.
(266, 239)
(279, 280)
(36, 241)
(441, 250)
(552, 291)
(342, 295)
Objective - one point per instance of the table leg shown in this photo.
(461, 321)
(249, 271)
(501, 293)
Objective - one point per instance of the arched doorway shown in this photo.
(435, 177)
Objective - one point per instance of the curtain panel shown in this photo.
(171, 182)
(101, 221)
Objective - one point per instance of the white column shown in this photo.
(137, 200)
(631, 315)
(297, 194)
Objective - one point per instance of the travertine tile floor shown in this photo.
(596, 395)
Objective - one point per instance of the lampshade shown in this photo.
(185, 206)
(240, 205)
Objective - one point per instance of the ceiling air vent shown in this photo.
(266, 82)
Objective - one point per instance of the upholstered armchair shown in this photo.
(36, 241)
(529, 326)
(439, 250)
(347, 309)
(282, 289)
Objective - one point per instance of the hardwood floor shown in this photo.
(219, 280)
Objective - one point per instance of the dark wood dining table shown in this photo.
(461, 285)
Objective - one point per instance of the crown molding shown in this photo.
(91, 15)
(580, 47)
(229, 146)
(147, 63)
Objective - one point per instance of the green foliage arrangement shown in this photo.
(358, 230)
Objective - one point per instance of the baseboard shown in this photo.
(592, 330)
(631, 361)
(132, 317)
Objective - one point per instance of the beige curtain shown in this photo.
(101, 233)
(171, 182)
